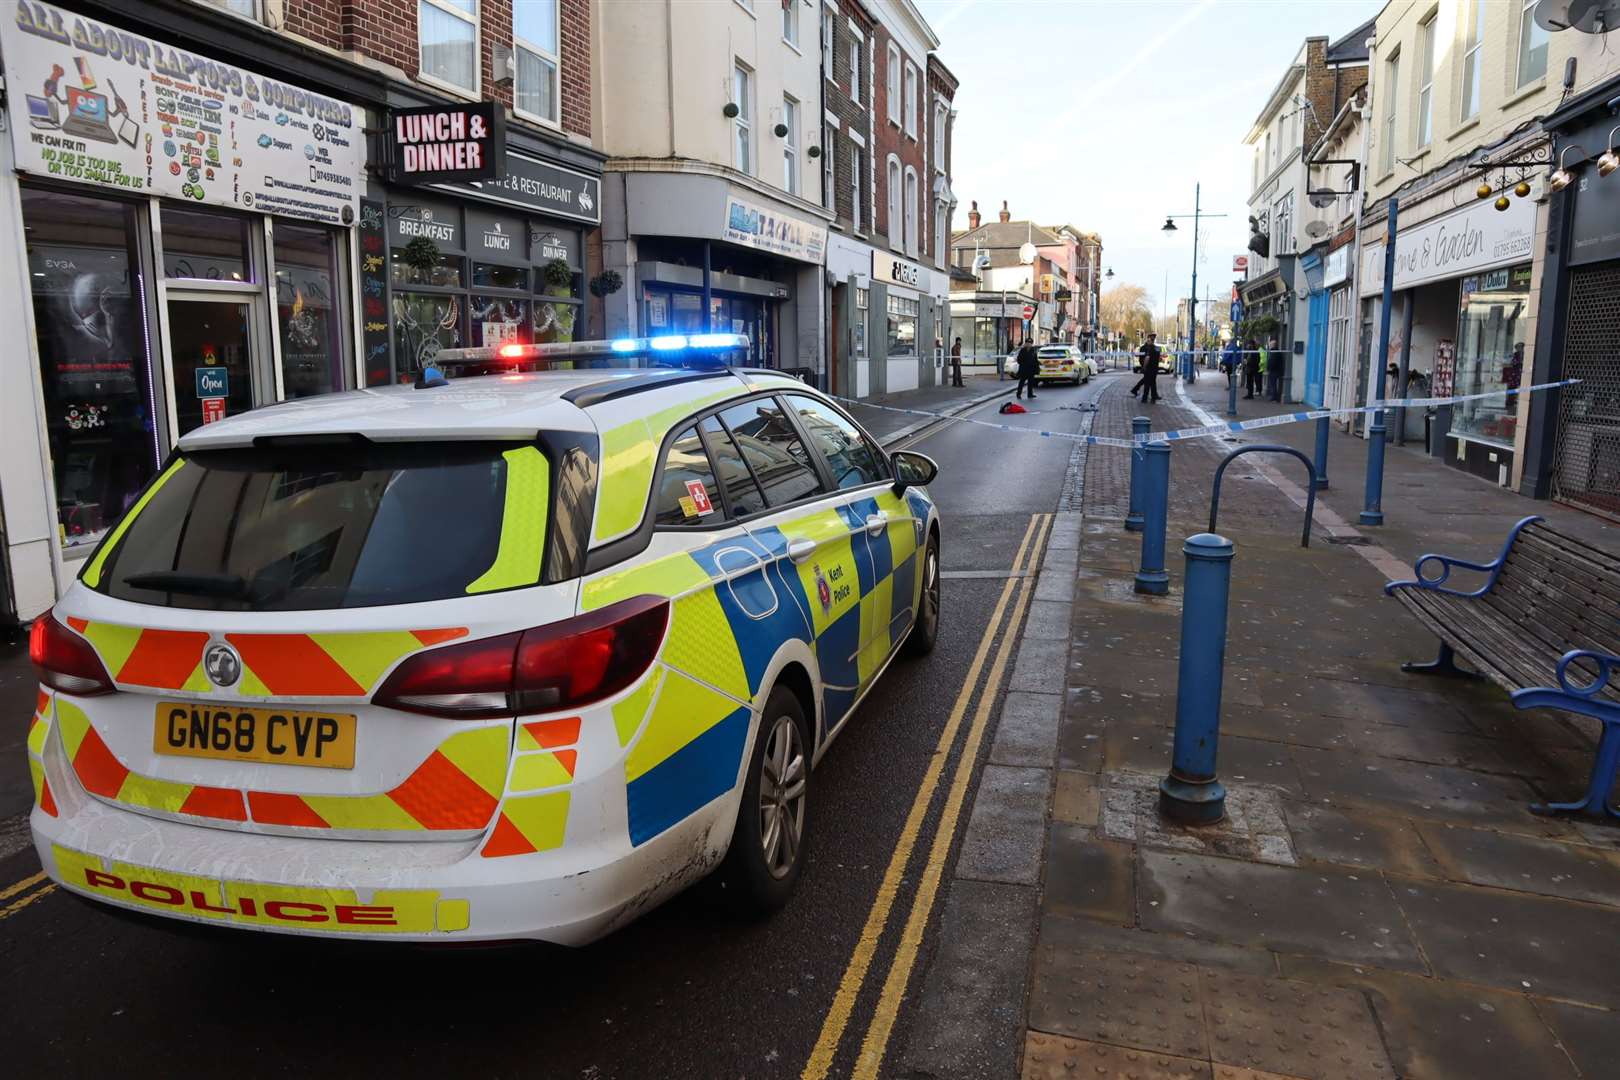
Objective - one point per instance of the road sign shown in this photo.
(1240, 264)
(1029, 311)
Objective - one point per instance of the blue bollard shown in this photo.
(1231, 387)
(1190, 794)
(1372, 510)
(1321, 452)
(1152, 578)
(1140, 425)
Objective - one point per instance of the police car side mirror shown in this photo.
(912, 469)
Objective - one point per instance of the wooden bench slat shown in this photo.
(1574, 544)
(1563, 576)
(1574, 624)
(1436, 623)
(1526, 665)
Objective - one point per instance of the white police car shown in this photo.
(516, 656)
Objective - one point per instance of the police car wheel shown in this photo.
(925, 631)
(767, 851)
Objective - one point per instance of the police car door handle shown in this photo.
(876, 523)
(801, 550)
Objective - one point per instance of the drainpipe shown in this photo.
(1360, 196)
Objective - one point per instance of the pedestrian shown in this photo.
(956, 363)
(1275, 362)
(1251, 370)
(1029, 366)
(1231, 357)
(1148, 384)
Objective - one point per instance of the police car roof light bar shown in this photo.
(694, 350)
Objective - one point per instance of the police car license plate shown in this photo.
(271, 736)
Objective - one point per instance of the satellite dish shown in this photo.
(1322, 198)
(1587, 16)
(1026, 254)
(981, 261)
(1317, 229)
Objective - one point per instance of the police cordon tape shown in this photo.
(1212, 430)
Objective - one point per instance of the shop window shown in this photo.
(558, 304)
(424, 323)
(1532, 45)
(447, 36)
(205, 245)
(1489, 353)
(902, 326)
(863, 302)
(446, 273)
(308, 309)
(496, 320)
(535, 38)
(95, 371)
(490, 276)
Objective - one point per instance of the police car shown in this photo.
(503, 657)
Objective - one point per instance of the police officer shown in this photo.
(1148, 384)
(1029, 366)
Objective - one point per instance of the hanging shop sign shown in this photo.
(92, 103)
(436, 144)
(767, 230)
(1466, 241)
(1594, 234)
(532, 184)
(1336, 267)
(896, 271)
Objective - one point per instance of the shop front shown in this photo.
(186, 252)
(990, 324)
(1338, 390)
(1573, 454)
(1464, 297)
(475, 262)
(758, 259)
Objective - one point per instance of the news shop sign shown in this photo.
(438, 144)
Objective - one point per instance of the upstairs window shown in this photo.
(447, 39)
(1532, 45)
(855, 71)
(892, 74)
(1473, 61)
(1392, 80)
(790, 146)
(742, 150)
(939, 138)
(790, 22)
(911, 101)
(534, 40)
(829, 42)
(1425, 113)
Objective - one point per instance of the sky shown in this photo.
(1105, 115)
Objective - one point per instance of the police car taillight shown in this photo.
(65, 661)
(563, 665)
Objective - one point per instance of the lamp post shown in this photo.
(1170, 226)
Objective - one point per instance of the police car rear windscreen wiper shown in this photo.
(178, 581)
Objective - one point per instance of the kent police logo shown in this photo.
(823, 591)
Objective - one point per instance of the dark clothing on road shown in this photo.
(1148, 384)
(1029, 366)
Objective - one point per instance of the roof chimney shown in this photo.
(973, 215)
(1005, 215)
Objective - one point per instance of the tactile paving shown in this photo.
(1053, 1057)
(1289, 1027)
(1123, 998)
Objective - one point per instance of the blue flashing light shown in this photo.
(624, 345)
(668, 342)
(712, 341)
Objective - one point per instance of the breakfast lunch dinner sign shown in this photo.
(92, 103)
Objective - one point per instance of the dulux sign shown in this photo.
(1477, 237)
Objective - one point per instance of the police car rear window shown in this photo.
(309, 528)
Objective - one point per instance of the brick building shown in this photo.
(886, 96)
(245, 161)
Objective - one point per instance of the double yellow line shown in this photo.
(26, 897)
(875, 1042)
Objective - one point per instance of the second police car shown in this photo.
(518, 656)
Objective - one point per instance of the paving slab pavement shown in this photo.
(1380, 861)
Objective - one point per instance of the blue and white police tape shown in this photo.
(1213, 430)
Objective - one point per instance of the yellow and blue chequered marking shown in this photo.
(734, 602)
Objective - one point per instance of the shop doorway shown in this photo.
(211, 351)
(1586, 472)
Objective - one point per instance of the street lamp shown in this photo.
(1170, 227)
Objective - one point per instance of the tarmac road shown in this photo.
(687, 991)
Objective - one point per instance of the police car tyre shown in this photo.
(768, 847)
(925, 630)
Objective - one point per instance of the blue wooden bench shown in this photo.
(1548, 612)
